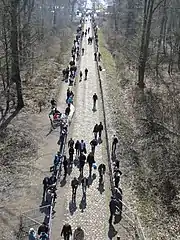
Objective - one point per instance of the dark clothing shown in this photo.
(74, 185)
(65, 164)
(95, 97)
(43, 228)
(71, 153)
(77, 147)
(95, 131)
(71, 143)
(66, 231)
(84, 183)
(90, 161)
(86, 72)
(67, 111)
(82, 160)
(100, 129)
(114, 143)
(95, 56)
(53, 102)
(46, 184)
(93, 144)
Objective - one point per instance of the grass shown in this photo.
(108, 60)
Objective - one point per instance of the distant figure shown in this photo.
(100, 129)
(77, 147)
(95, 56)
(99, 56)
(78, 234)
(68, 109)
(93, 144)
(90, 161)
(95, 98)
(84, 183)
(53, 103)
(82, 51)
(74, 185)
(96, 130)
(86, 73)
(66, 231)
(114, 143)
(80, 75)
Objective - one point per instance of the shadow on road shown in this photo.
(101, 187)
(83, 203)
(72, 207)
(112, 232)
(91, 179)
(63, 182)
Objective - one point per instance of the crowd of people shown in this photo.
(77, 150)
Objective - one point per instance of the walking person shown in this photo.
(99, 56)
(112, 207)
(83, 146)
(82, 160)
(96, 130)
(117, 176)
(65, 165)
(68, 109)
(82, 51)
(93, 144)
(77, 147)
(101, 170)
(80, 75)
(100, 129)
(74, 185)
(86, 73)
(45, 186)
(90, 161)
(95, 56)
(71, 153)
(66, 231)
(70, 143)
(84, 183)
(95, 98)
(114, 144)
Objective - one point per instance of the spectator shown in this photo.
(114, 143)
(71, 143)
(84, 183)
(83, 146)
(74, 185)
(82, 160)
(32, 234)
(43, 228)
(95, 98)
(45, 186)
(93, 144)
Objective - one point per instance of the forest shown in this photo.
(139, 42)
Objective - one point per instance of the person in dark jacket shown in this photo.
(90, 161)
(113, 206)
(100, 129)
(99, 56)
(93, 144)
(101, 170)
(83, 146)
(117, 176)
(82, 160)
(74, 185)
(82, 51)
(96, 130)
(68, 109)
(65, 165)
(45, 186)
(95, 56)
(71, 153)
(86, 73)
(66, 231)
(77, 147)
(95, 98)
(43, 228)
(84, 183)
(114, 144)
(70, 143)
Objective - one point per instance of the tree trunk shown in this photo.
(15, 71)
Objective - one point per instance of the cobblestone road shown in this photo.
(92, 216)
